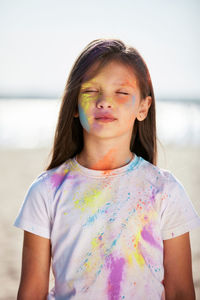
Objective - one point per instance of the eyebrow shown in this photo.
(85, 85)
(118, 83)
(126, 83)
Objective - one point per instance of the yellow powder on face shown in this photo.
(87, 85)
(85, 102)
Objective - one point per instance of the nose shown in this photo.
(104, 102)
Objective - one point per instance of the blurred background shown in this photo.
(40, 41)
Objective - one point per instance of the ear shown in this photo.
(76, 115)
(144, 108)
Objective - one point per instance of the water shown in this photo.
(29, 123)
(178, 122)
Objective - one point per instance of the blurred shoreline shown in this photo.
(31, 123)
(58, 97)
(21, 166)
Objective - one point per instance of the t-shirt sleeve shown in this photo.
(178, 215)
(34, 214)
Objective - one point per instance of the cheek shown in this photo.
(129, 112)
(84, 108)
(85, 102)
(83, 118)
(128, 102)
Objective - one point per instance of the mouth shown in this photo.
(105, 119)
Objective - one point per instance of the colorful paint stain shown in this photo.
(137, 254)
(58, 177)
(92, 199)
(147, 235)
(115, 265)
(106, 161)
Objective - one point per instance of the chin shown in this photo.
(105, 134)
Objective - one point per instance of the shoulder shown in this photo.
(158, 177)
(51, 179)
(176, 211)
(42, 190)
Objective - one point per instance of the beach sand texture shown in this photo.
(20, 167)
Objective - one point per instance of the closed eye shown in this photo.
(123, 93)
(90, 91)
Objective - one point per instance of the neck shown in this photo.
(105, 154)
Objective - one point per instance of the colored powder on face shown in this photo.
(85, 101)
(147, 236)
(122, 100)
(133, 99)
(83, 119)
(84, 110)
(86, 85)
(96, 126)
(116, 267)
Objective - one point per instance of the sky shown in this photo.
(40, 40)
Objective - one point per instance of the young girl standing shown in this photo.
(114, 224)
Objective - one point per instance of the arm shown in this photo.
(36, 260)
(178, 279)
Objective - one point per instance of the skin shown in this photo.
(102, 151)
(36, 259)
(114, 89)
(178, 279)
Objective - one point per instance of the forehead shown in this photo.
(113, 71)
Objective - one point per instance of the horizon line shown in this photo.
(56, 96)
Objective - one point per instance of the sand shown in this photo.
(20, 167)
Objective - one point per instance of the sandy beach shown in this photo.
(20, 167)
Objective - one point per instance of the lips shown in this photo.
(104, 116)
(105, 119)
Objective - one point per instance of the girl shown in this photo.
(114, 224)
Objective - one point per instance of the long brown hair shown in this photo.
(68, 140)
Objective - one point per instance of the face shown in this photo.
(109, 103)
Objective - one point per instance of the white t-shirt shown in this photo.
(107, 227)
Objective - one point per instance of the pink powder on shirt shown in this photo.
(116, 266)
(147, 236)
